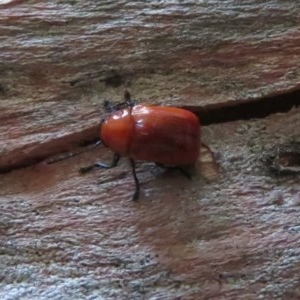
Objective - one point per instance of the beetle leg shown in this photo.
(100, 165)
(115, 161)
(136, 181)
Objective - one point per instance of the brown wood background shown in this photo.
(66, 236)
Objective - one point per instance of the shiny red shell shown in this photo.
(165, 135)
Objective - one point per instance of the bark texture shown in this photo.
(67, 236)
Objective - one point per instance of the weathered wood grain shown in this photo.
(66, 236)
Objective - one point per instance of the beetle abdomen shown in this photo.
(166, 135)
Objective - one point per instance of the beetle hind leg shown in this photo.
(136, 181)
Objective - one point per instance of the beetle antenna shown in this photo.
(127, 98)
(110, 107)
(67, 155)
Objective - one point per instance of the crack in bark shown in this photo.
(247, 109)
(210, 114)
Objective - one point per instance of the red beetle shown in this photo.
(168, 136)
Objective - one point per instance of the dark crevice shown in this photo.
(49, 149)
(247, 109)
(210, 114)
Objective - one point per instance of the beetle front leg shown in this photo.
(136, 181)
(100, 165)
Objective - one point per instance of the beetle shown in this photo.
(167, 136)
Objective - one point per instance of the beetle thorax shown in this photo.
(116, 131)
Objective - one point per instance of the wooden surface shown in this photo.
(66, 236)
